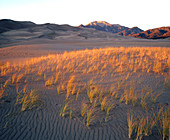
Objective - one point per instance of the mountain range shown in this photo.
(11, 30)
(157, 33)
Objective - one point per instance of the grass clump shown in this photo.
(65, 109)
(144, 124)
(19, 77)
(91, 116)
(104, 104)
(7, 83)
(1, 91)
(143, 100)
(50, 81)
(70, 86)
(28, 100)
(109, 107)
(131, 124)
(154, 97)
(92, 92)
(163, 124)
(84, 108)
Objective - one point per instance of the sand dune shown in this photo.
(35, 66)
(47, 68)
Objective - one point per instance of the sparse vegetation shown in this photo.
(64, 109)
(28, 100)
(108, 68)
(144, 124)
(84, 108)
(90, 115)
(1, 91)
(131, 124)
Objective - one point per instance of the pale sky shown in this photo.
(145, 14)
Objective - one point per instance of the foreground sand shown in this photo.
(55, 76)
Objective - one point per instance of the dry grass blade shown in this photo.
(91, 116)
(84, 108)
(127, 97)
(166, 125)
(104, 104)
(70, 86)
(77, 94)
(131, 124)
(109, 107)
(143, 100)
(7, 83)
(1, 91)
(19, 77)
(154, 97)
(29, 100)
(92, 92)
(64, 109)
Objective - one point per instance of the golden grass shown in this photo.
(1, 91)
(131, 124)
(28, 100)
(144, 124)
(70, 86)
(19, 77)
(84, 108)
(69, 72)
(50, 81)
(142, 59)
(154, 97)
(91, 116)
(104, 104)
(143, 100)
(7, 83)
(64, 109)
(108, 109)
(163, 123)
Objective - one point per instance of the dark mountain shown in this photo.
(104, 26)
(7, 25)
(157, 33)
(130, 31)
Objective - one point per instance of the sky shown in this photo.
(146, 14)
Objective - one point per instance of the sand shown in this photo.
(46, 123)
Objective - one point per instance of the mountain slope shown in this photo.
(157, 33)
(104, 26)
(130, 31)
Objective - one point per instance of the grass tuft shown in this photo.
(29, 100)
(131, 124)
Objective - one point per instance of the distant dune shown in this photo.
(7, 25)
(59, 82)
(17, 32)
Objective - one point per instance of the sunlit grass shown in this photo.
(131, 124)
(144, 124)
(28, 100)
(64, 109)
(101, 76)
(1, 91)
